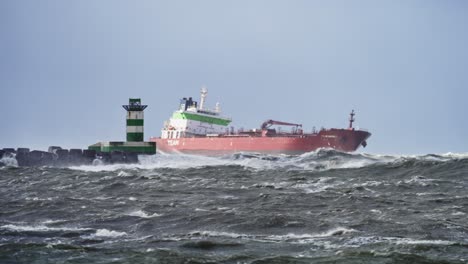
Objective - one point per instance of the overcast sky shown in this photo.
(66, 67)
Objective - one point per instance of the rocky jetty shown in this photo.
(58, 157)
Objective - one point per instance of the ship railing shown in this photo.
(235, 135)
(287, 134)
(330, 129)
(362, 129)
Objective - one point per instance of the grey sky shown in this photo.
(66, 67)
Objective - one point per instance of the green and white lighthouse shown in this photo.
(135, 120)
(135, 136)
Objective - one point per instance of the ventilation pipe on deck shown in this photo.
(204, 92)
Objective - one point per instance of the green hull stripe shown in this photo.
(134, 122)
(134, 136)
(205, 119)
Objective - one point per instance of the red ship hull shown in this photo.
(346, 140)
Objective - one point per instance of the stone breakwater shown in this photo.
(58, 157)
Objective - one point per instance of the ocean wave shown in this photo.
(40, 228)
(361, 241)
(104, 233)
(320, 185)
(109, 233)
(338, 231)
(418, 180)
(346, 239)
(290, 237)
(142, 214)
(9, 161)
(319, 160)
(319, 203)
(161, 160)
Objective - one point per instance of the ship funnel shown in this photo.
(204, 92)
(218, 108)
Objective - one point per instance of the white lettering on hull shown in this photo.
(173, 142)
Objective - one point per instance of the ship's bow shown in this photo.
(353, 139)
(345, 139)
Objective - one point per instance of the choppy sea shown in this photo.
(319, 207)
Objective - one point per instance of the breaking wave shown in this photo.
(319, 160)
(9, 161)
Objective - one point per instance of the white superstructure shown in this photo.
(191, 120)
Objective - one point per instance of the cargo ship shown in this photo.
(194, 129)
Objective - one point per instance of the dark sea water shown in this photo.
(320, 207)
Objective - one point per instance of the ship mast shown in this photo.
(351, 119)
(204, 92)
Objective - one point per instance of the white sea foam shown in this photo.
(98, 168)
(176, 161)
(306, 238)
(123, 174)
(142, 214)
(47, 222)
(321, 185)
(290, 237)
(360, 241)
(44, 228)
(418, 180)
(458, 213)
(39, 199)
(322, 239)
(319, 160)
(40, 228)
(409, 241)
(219, 234)
(109, 233)
(455, 155)
(9, 161)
